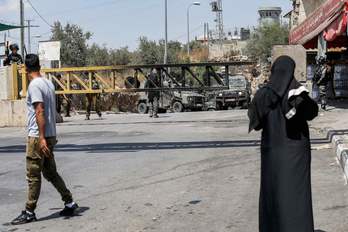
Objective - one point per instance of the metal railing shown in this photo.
(113, 79)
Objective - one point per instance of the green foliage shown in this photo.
(152, 52)
(121, 56)
(97, 56)
(74, 43)
(101, 56)
(76, 52)
(148, 52)
(264, 38)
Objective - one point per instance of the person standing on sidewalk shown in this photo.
(153, 82)
(281, 110)
(322, 77)
(41, 104)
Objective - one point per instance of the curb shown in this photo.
(340, 146)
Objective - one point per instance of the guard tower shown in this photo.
(269, 15)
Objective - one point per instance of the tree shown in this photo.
(121, 56)
(152, 52)
(74, 43)
(97, 55)
(148, 52)
(264, 38)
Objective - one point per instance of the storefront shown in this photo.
(324, 33)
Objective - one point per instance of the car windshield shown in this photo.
(237, 82)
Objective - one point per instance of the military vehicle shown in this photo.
(174, 101)
(237, 95)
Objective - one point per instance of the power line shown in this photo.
(191, 32)
(38, 13)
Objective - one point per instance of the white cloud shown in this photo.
(7, 6)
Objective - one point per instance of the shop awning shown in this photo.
(5, 27)
(330, 18)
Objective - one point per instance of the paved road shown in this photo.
(184, 172)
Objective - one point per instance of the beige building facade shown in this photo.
(302, 9)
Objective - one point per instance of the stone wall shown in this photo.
(227, 51)
(296, 52)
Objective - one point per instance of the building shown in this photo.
(302, 9)
(269, 15)
(320, 26)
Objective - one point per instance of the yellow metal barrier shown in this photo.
(113, 79)
(79, 80)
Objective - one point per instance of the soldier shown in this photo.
(14, 57)
(323, 75)
(62, 100)
(153, 82)
(93, 98)
(41, 142)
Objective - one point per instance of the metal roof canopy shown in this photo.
(318, 21)
(6, 27)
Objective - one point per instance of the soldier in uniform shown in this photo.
(62, 100)
(93, 98)
(322, 77)
(153, 82)
(14, 57)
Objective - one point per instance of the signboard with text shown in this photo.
(49, 50)
(317, 22)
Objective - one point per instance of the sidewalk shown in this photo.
(334, 124)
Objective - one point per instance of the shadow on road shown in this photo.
(134, 147)
(78, 213)
(319, 231)
(97, 123)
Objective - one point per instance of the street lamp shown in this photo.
(166, 31)
(188, 25)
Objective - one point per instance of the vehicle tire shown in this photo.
(219, 106)
(178, 107)
(245, 105)
(142, 108)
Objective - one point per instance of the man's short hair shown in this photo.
(32, 63)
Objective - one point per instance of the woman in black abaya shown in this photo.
(281, 110)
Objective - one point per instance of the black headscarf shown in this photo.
(282, 75)
(282, 89)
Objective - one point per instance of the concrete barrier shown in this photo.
(13, 113)
(6, 83)
(340, 145)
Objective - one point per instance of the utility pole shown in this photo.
(21, 6)
(166, 32)
(29, 35)
(208, 40)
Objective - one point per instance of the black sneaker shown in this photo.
(69, 211)
(24, 218)
(87, 118)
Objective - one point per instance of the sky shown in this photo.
(120, 23)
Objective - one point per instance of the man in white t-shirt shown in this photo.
(41, 104)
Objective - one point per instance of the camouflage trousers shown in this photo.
(154, 105)
(37, 164)
(323, 89)
(93, 99)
